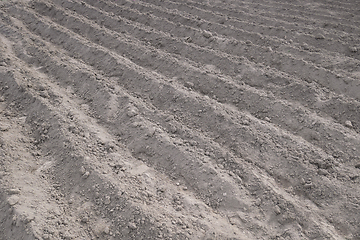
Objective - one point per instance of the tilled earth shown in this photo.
(179, 119)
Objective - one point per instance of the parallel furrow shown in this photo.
(179, 119)
(291, 19)
(314, 8)
(274, 26)
(240, 34)
(252, 100)
(295, 91)
(188, 106)
(300, 68)
(333, 4)
(70, 152)
(303, 40)
(291, 10)
(49, 65)
(242, 20)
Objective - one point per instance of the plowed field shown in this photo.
(179, 119)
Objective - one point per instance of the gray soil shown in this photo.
(179, 119)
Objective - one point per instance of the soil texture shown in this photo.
(179, 119)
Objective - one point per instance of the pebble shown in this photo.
(169, 118)
(357, 165)
(207, 34)
(132, 226)
(136, 124)
(86, 175)
(319, 36)
(132, 112)
(4, 127)
(13, 200)
(348, 124)
(44, 94)
(353, 49)
(84, 219)
(189, 85)
(151, 132)
(14, 191)
(277, 210)
(22, 119)
(82, 170)
(322, 172)
(246, 122)
(173, 129)
(107, 200)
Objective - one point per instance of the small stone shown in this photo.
(44, 94)
(258, 202)
(86, 175)
(151, 132)
(132, 112)
(107, 200)
(82, 170)
(173, 129)
(169, 118)
(267, 119)
(189, 84)
(305, 46)
(13, 200)
(353, 49)
(136, 124)
(319, 36)
(2, 99)
(132, 226)
(193, 143)
(308, 185)
(246, 122)
(185, 188)
(277, 210)
(248, 42)
(14, 191)
(357, 165)
(207, 34)
(84, 219)
(4, 127)
(22, 119)
(322, 172)
(348, 124)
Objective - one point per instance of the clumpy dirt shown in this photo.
(179, 119)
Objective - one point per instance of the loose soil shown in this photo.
(179, 119)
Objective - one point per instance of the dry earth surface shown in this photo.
(180, 119)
